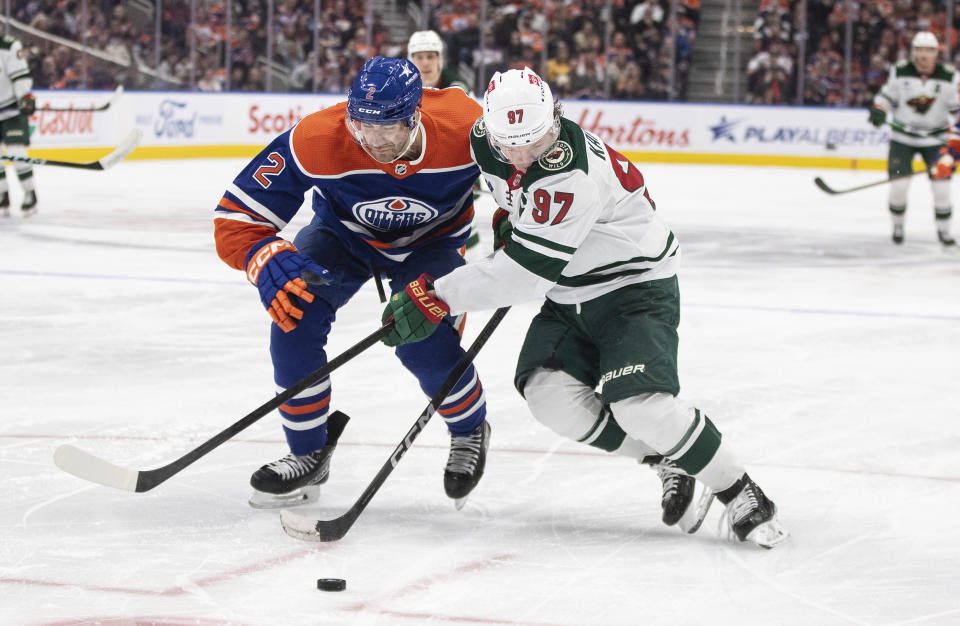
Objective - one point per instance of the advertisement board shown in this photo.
(197, 125)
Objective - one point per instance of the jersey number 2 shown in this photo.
(276, 166)
(542, 203)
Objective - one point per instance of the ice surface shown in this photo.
(827, 356)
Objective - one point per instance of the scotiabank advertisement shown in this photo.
(190, 125)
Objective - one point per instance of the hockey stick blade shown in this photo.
(819, 182)
(307, 529)
(91, 468)
(97, 109)
(129, 143)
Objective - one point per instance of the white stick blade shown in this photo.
(126, 147)
(84, 465)
(299, 526)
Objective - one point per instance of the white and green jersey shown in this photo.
(583, 225)
(921, 103)
(15, 80)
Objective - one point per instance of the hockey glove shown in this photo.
(945, 165)
(414, 312)
(501, 228)
(877, 116)
(28, 104)
(279, 271)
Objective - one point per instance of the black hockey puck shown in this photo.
(331, 584)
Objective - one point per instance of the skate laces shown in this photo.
(670, 477)
(739, 510)
(292, 466)
(465, 452)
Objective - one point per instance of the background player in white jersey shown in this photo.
(921, 95)
(585, 235)
(16, 106)
(425, 48)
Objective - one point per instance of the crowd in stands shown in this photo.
(564, 41)
(881, 34)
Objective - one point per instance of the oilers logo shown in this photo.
(395, 213)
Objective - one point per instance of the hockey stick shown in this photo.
(103, 107)
(309, 529)
(919, 134)
(819, 182)
(119, 153)
(84, 465)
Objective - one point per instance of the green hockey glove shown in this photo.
(501, 228)
(877, 116)
(414, 312)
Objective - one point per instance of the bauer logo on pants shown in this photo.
(394, 213)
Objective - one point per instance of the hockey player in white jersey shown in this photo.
(586, 236)
(921, 97)
(16, 106)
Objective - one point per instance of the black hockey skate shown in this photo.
(4, 204)
(898, 234)
(945, 238)
(751, 515)
(294, 480)
(29, 205)
(677, 499)
(468, 457)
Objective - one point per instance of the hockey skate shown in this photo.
(945, 238)
(752, 516)
(468, 457)
(898, 234)
(295, 480)
(4, 204)
(681, 505)
(29, 205)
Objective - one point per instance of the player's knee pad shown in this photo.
(898, 191)
(658, 419)
(562, 403)
(941, 193)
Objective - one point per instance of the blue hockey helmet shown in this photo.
(385, 91)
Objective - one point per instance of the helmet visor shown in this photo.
(523, 156)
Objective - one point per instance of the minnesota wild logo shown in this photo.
(479, 129)
(921, 104)
(559, 157)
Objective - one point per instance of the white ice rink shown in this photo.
(827, 356)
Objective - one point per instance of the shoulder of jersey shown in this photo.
(450, 108)
(322, 135)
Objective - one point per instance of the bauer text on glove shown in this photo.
(278, 270)
(415, 313)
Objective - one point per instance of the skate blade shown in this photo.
(297, 497)
(459, 503)
(697, 512)
(768, 534)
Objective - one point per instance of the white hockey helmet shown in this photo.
(425, 41)
(925, 39)
(518, 110)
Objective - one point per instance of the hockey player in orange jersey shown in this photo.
(389, 175)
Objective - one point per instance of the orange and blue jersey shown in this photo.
(394, 208)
